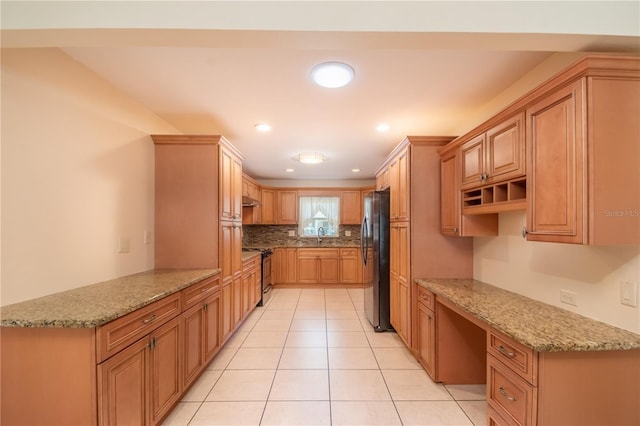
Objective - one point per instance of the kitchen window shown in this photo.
(319, 212)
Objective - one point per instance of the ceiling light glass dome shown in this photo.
(332, 74)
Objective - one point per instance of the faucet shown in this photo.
(320, 234)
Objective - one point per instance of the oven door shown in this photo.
(266, 278)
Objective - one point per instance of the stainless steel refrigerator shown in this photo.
(374, 246)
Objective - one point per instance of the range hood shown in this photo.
(249, 202)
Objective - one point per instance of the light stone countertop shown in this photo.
(246, 255)
(96, 304)
(537, 325)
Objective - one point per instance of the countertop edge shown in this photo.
(198, 275)
(627, 341)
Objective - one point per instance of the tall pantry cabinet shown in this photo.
(417, 248)
(198, 212)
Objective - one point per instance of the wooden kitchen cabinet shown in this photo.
(287, 207)
(350, 266)
(144, 381)
(426, 330)
(583, 159)
(285, 262)
(495, 155)
(230, 184)
(201, 322)
(269, 206)
(231, 275)
(382, 179)
(251, 284)
(399, 177)
(452, 221)
(400, 290)
(251, 215)
(318, 266)
(350, 207)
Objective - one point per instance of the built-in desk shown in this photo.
(542, 365)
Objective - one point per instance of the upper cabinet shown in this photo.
(230, 184)
(268, 208)
(496, 155)
(584, 160)
(567, 152)
(399, 177)
(287, 207)
(350, 207)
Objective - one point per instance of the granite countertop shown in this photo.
(537, 325)
(96, 304)
(306, 244)
(246, 255)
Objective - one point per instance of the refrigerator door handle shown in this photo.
(364, 240)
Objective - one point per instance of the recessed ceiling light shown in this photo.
(355, 170)
(289, 170)
(382, 127)
(311, 158)
(332, 74)
(262, 127)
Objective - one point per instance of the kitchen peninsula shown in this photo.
(122, 350)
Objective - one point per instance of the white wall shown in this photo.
(541, 270)
(77, 174)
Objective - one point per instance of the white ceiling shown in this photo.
(226, 81)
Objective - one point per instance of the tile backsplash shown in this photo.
(278, 236)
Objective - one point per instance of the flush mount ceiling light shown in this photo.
(382, 127)
(332, 74)
(311, 158)
(263, 127)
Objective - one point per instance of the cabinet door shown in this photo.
(307, 268)
(426, 339)
(506, 150)
(193, 326)
(350, 266)
(450, 211)
(268, 208)
(350, 208)
(236, 188)
(122, 384)
(212, 338)
(226, 309)
(328, 269)
(165, 368)
(400, 281)
(287, 207)
(236, 249)
(226, 186)
(248, 278)
(236, 301)
(399, 180)
(291, 265)
(472, 158)
(555, 188)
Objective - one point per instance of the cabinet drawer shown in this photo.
(509, 394)
(348, 252)
(514, 355)
(495, 419)
(120, 333)
(322, 252)
(199, 291)
(426, 298)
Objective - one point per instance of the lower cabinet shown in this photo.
(426, 343)
(141, 384)
(323, 265)
(201, 336)
(318, 266)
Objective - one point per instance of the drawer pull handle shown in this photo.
(148, 320)
(504, 351)
(505, 394)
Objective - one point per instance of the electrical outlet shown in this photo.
(292, 233)
(568, 297)
(347, 233)
(629, 293)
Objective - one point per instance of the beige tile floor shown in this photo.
(310, 357)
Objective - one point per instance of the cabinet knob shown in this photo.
(524, 232)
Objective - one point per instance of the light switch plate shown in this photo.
(629, 293)
(124, 245)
